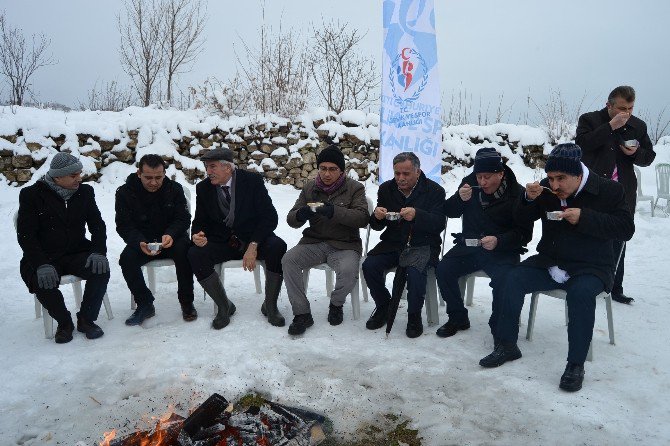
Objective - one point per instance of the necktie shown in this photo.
(615, 174)
(226, 192)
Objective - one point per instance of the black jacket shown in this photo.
(496, 219)
(427, 198)
(600, 149)
(47, 229)
(143, 216)
(584, 248)
(255, 215)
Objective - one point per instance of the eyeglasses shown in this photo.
(325, 169)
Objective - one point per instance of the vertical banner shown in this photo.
(410, 102)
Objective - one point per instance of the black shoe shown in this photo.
(222, 320)
(335, 315)
(622, 298)
(414, 325)
(188, 312)
(300, 323)
(452, 327)
(142, 313)
(64, 333)
(572, 378)
(90, 329)
(501, 355)
(378, 318)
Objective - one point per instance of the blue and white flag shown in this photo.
(410, 102)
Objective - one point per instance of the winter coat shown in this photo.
(497, 219)
(143, 216)
(350, 214)
(601, 151)
(47, 229)
(255, 215)
(428, 199)
(587, 247)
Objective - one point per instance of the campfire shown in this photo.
(216, 422)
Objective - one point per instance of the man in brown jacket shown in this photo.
(336, 208)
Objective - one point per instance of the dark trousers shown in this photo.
(271, 250)
(581, 298)
(617, 288)
(374, 269)
(132, 260)
(94, 290)
(450, 269)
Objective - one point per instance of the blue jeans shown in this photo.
(581, 299)
(450, 269)
(374, 269)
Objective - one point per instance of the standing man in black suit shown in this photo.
(235, 219)
(612, 141)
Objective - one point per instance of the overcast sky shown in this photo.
(486, 47)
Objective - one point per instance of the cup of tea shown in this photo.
(631, 143)
(314, 205)
(473, 242)
(154, 246)
(555, 215)
(393, 216)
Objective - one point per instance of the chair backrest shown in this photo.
(16, 219)
(638, 175)
(371, 209)
(187, 194)
(663, 179)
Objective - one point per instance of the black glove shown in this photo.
(304, 214)
(98, 263)
(326, 210)
(47, 277)
(459, 239)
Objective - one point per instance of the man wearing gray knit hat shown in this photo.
(53, 216)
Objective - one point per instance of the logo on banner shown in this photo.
(408, 76)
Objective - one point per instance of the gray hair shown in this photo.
(407, 156)
(228, 163)
(624, 92)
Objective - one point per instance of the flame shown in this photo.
(109, 436)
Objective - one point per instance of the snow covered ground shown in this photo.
(69, 394)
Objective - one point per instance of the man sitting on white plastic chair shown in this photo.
(235, 219)
(581, 215)
(152, 217)
(410, 211)
(336, 209)
(51, 227)
(491, 240)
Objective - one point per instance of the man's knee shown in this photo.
(129, 257)
(291, 258)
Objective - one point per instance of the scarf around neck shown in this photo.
(485, 200)
(65, 194)
(329, 190)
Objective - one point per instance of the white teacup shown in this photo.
(555, 215)
(154, 246)
(631, 143)
(314, 205)
(473, 242)
(393, 216)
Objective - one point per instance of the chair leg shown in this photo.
(651, 202)
(257, 279)
(108, 307)
(364, 284)
(462, 286)
(610, 318)
(48, 324)
(567, 319)
(305, 278)
(531, 316)
(589, 355)
(78, 295)
(355, 301)
(329, 282)
(133, 304)
(151, 275)
(38, 308)
(470, 290)
(432, 312)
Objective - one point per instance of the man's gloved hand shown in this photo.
(326, 210)
(304, 213)
(47, 277)
(98, 263)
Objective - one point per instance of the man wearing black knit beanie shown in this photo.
(582, 214)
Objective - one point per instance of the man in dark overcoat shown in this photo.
(612, 141)
(485, 201)
(51, 228)
(418, 201)
(235, 219)
(582, 214)
(151, 208)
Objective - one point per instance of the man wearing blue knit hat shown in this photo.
(582, 214)
(51, 227)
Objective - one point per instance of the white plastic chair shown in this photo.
(662, 186)
(355, 291)
(67, 279)
(640, 195)
(466, 284)
(159, 263)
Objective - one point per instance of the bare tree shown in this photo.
(658, 127)
(344, 78)
(557, 117)
(142, 45)
(110, 96)
(226, 98)
(184, 23)
(19, 60)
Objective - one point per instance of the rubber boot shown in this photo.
(212, 286)
(269, 308)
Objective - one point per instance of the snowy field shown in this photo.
(69, 394)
